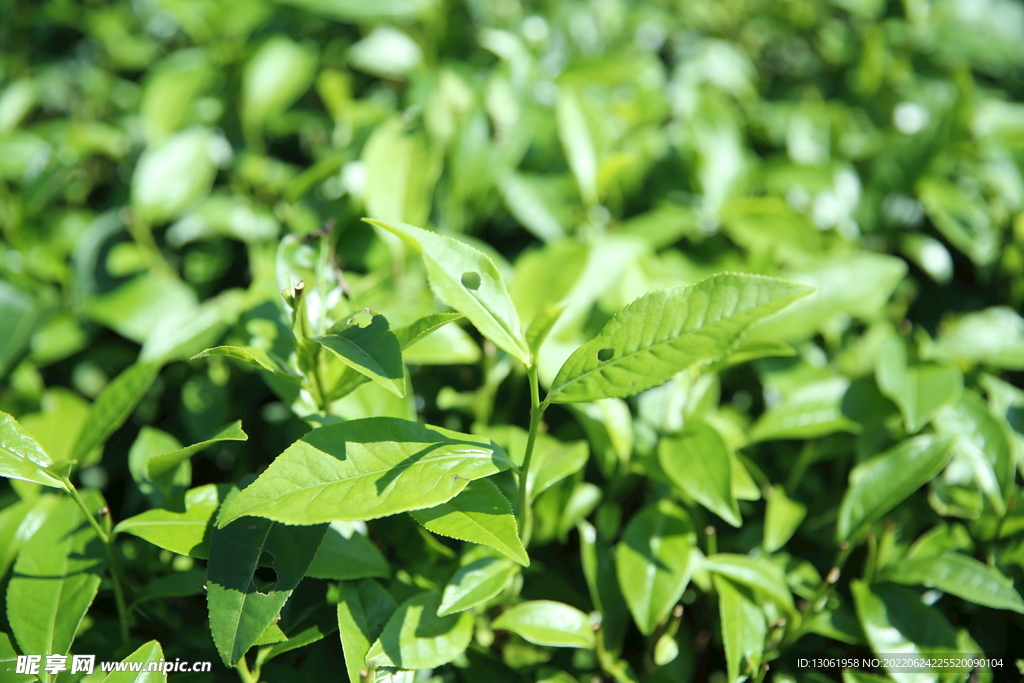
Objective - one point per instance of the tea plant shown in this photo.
(681, 341)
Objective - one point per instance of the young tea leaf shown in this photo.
(264, 360)
(113, 406)
(881, 483)
(666, 331)
(782, 517)
(652, 562)
(416, 638)
(373, 351)
(479, 514)
(21, 456)
(698, 461)
(959, 575)
(475, 583)
(365, 469)
(468, 281)
(160, 469)
(410, 334)
(756, 573)
(185, 533)
(546, 622)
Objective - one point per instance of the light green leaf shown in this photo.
(598, 563)
(993, 337)
(373, 351)
(782, 517)
(666, 331)
(185, 533)
(366, 469)
(56, 426)
(698, 461)
(259, 358)
(416, 638)
(357, 11)
(141, 307)
(476, 583)
(813, 410)
(577, 142)
(240, 608)
(402, 166)
(18, 523)
(984, 442)
(412, 333)
(161, 469)
(756, 573)
(56, 576)
(959, 575)
(853, 284)
(273, 78)
(652, 562)
(919, 391)
(479, 514)
(743, 485)
(150, 653)
(363, 611)
(743, 628)
(21, 456)
(881, 483)
(550, 623)
(538, 331)
(897, 623)
(345, 554)
(113, 406)
(273, 634)
(468, 281)
(9, 663)
(665, 650)
(176, 176)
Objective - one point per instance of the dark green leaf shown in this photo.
(346, 554)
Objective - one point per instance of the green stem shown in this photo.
(115, 566)
(815, 605)
(242, 667)
(872, 559)
(536, 411)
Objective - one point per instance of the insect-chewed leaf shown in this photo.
(55, 579)
(883, 482)
(652, 562)
(363, 610)
(416, 638)
(546, 622)
(666, 331)
(959, 575)
(21, 456)
(365, 469)
(373, 351)
(479, 514)
(468, 281)
(240, 607)
(147, 654)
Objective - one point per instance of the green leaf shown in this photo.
(665, 650)
(993, 337)
(240, 607)
(363, 611)
(538, 331)
(160, 469)
(21, 316)
(21, 456)
(756, 573)
(56, 576)
(479, 514)
(813, 410)
(185, 533)
(150, 653)
(345, 554)
(782, 517)
(174, 177)
(468, 281)
(476, 583)
(881, 483)
(985, 444)
(853, 284)
(578, 144)
(416, 638)
(743, 628)
(553, 460)
(19, 522)
(698, 461)
(265, 360)
(366, 469)
(56, 426)
(9, 663)
(598, 562)
(373, 351)
(919, 391)
(666, 331)
(896, 622)
(959, 575)
(410, 334)
(550, 623)
(177, 585)
(113, 406)
(273, 78)
(652, 562)
(273, 634)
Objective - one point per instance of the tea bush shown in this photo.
(680, 341)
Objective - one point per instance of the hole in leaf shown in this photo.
(605, 354)
(265, 578)
(471, 280)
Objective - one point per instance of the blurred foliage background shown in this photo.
(155, 153)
